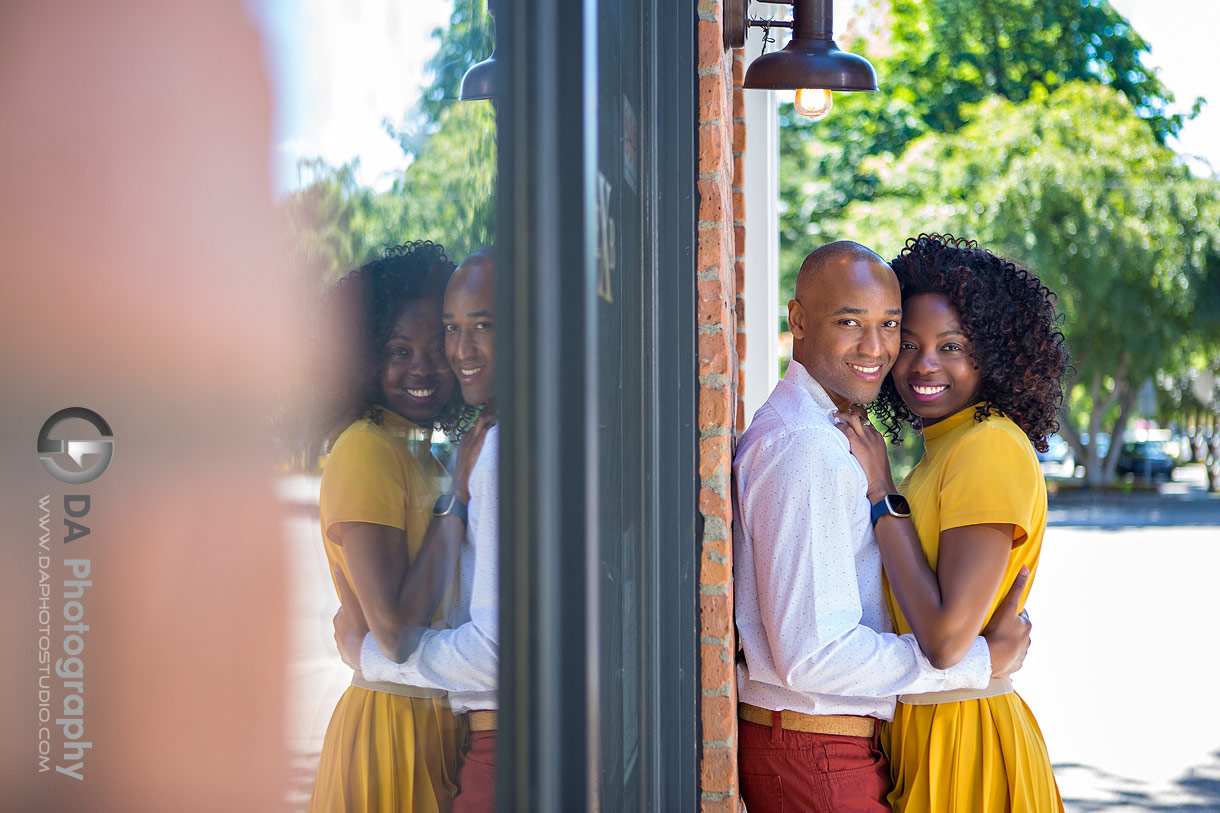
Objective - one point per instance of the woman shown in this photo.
(389, 747)
(979, 371)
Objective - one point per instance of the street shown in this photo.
(1122, 674)
(1123, 670)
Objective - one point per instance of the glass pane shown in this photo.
(622, 430)
(387, 183)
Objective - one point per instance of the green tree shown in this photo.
(1075, 185)
(949, 55)
(943, 58)
(447, 195)
(326, 220)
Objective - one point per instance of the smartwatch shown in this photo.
(894, 505)
(447, 504)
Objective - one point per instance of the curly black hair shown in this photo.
(360, 310)
(1009, 317)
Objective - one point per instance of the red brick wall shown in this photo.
(718, 265)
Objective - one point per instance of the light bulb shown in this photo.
(813, 103)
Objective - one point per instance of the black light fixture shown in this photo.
(811, 63)
(479, 82)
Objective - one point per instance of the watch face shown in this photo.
(444, 504)
(899, 503)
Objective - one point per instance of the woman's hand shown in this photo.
(468, 453)
(869, 447)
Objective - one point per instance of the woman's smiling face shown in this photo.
(934, 374)
(416, 381)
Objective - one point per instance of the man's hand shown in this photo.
(1007, 633)
(350, 626)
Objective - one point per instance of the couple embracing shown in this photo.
(414, 553)
(879, 625)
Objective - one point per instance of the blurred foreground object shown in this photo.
(143, 282)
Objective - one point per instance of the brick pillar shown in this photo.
(721, 224)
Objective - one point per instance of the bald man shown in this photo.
(821, 668)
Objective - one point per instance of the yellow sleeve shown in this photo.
(989, 478)
(363, 481)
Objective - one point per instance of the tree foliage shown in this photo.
(447, 195)
(1076, 186)
(949, 55)
(448, 191)
(945, 57)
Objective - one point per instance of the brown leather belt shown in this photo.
(481, 720)
(843, 725)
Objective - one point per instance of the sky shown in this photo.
(1182, 36)
(339, 69)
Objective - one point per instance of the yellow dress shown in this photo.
(384, 752)
(988, 755)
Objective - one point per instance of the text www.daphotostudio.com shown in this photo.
(61, 666)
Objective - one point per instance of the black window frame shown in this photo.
(547, 350)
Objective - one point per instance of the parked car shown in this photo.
(1145, 458)
(1058, 460)
(1057, 450)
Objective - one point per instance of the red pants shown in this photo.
(821, 773)
(476, 776)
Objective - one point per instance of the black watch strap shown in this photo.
(447, 504)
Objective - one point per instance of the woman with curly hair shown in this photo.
(390, 747)
(979, 372)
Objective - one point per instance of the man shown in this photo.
(821, 669)
(462, 660)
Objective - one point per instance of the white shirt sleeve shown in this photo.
(466, 658)
(796, 507)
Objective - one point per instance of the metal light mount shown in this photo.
(737, 21)
(479, 82)
(810, 60)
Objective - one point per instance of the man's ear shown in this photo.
(796, 319)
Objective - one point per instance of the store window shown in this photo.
(581, 174)
(601, 654)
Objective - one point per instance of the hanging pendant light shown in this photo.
(811, 63)
(479, 82)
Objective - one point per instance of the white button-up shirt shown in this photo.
(810, 612)
(462, 660)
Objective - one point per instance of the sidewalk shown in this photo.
(315, 676)
(299, 490)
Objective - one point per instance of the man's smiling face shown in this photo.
(845, 326)
(470, 328)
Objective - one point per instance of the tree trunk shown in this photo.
(1067, 430)
(1194, 437)
(1098, 471)
(1094, 469)
(1126, 402)
(1211, 460)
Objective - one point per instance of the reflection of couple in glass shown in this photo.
(424, 659)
